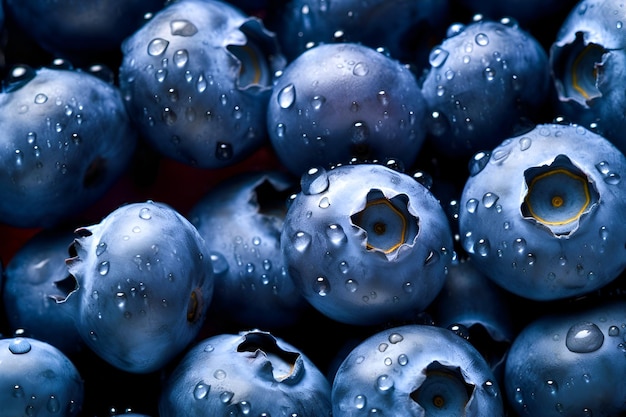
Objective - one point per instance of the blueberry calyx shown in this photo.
(280, 365)
(443, 389)
(578, 70)
(558, 196)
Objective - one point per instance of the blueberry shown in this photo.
(487, 81)
(36, 283)
(587, 60)
(66, 139)
(542, 214)
(339, 101)
(366, 244)
(77, 30)
(38, 379)
(250, 373)
(241, 220)
(415, 370)
(196, 79)
(144, 283)
(569, 363)
(403, 28)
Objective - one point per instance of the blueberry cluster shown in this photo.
(312, 208)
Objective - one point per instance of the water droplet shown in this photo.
(301, 241)
(490, 199)
(360, 69)
(552, 386)
(324, 203)
(613, 331)
(226, 397)
(317, 102)
(223, 151)
(478, 162)
(219, 374)
(321, 286)
(314, 181)
(201, 391)
(103, 267)
(482, 247)
(471, 205)
(403, 360)
(352, 285)
(181, 57)
(438, 57)
(41, 98)
(336, 235)
(395, 338)
(490, 388)
(384, 383)
(489, 73)
(157, 46)
(360, 402)
(584, 337)
(145, 214)
(19, 346)
(482, 39)
(182, 27)
(286, 96)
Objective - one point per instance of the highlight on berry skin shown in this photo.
(558, 195)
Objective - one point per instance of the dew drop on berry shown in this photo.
(226, 397)
(157, 46)
(584, 337)
(181, 57)
(352, 285)
(286, 96)
(223, 151)
(438, 57)
(360, 402)
(314, 181)
(321, 286)
(301, 241)
(336, 235)
(384, 383)
(201, 390)
(183, 27)
(482, 39)
(53, 405)
(360, 69)
(19, 346)
(103, 268)
(41, 98)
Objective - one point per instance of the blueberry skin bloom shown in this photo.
(38, 379)
(66, 137)
(415, 370)
(339, 101)
(144, 281)
(486, 81)
(241, 220)
(366, 244)
(569, 364)
(250, 373)
(543, 213)
(196, 79)
(587, 61)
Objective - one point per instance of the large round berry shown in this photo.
(587, 60)
(76, 30)
(570, 364)
(543, 214)
(415, 370)
(250, 373)
(196, 79)
(486, 81)
(66, 137)
(37, 379)
(144, 283)
(365, 243)
(339, 101)
(241, 220)
(404, 28)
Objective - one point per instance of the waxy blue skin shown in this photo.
(196, 79)
(241, 220)
(569, 363)
(487, 80)
(523, 252)
(38, 379)
(36, 281)
(587, 61)
(337, 261)
(144, 283)
(250, 373)
(66, 138)
(339, 101)
(382, 375)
